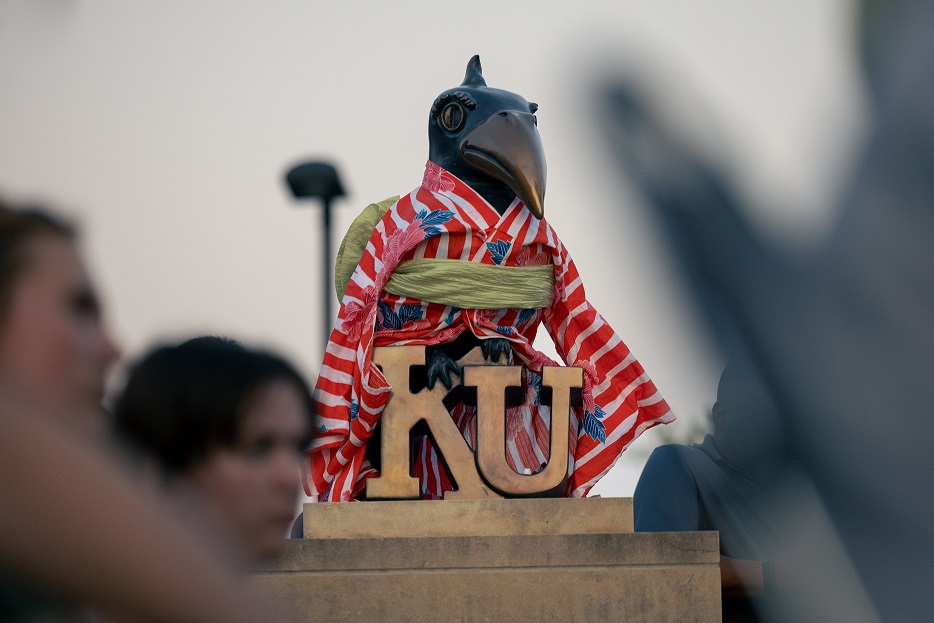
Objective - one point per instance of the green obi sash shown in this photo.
(459, 283)
(470, 285)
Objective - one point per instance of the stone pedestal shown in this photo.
(500, 560)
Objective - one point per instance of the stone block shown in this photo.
(395, 570)
(413, 518)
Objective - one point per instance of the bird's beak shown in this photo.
(508, 148)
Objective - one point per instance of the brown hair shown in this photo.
(18, 225)
(182, 401)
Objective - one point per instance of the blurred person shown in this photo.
(726, 483)
(226, 426)
(54, 348)
(75, 531)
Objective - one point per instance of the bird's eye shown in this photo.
(452, 117)
(535, 120)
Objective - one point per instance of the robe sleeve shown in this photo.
(351, 392)
(620, 400)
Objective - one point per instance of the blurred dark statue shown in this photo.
(843, 338)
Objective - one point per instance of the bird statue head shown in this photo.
(489, 139)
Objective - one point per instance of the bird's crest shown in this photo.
(474, 75)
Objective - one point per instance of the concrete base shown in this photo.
(513, 578)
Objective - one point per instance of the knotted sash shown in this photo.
(467, 285)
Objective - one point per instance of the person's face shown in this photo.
(54, 349)
(255, 484)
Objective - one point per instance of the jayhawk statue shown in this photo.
(467, 259)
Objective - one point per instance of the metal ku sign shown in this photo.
(485, 474)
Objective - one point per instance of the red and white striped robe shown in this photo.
(445, 218)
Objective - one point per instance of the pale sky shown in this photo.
(166, 127)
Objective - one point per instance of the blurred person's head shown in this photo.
(747, 427)
(230, 423)
(54, 348)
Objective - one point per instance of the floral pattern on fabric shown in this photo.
(437, 179)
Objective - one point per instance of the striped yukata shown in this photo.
(445, 218)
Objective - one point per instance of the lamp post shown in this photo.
(319, 180)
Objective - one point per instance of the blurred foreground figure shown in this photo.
(843, 339)
(227, 426)
(74, 532)
(54, 349)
